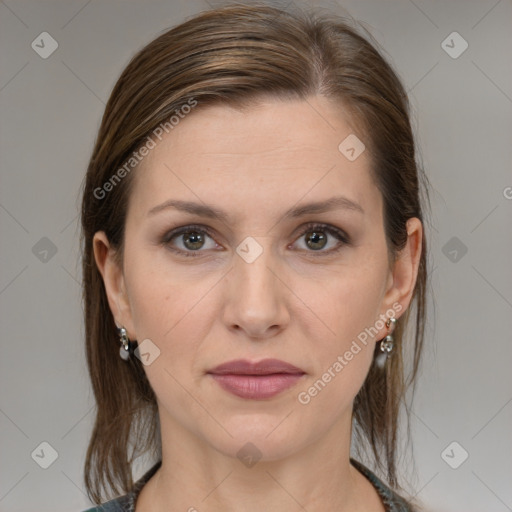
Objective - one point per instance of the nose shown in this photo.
(256, 296)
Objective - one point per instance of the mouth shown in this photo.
(257, 381)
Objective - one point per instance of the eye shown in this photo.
(317, 238)
(189, 240)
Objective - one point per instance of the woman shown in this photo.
(252, 247)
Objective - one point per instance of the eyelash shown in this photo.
(331, 230)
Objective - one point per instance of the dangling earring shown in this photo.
(126, 348)
(387, 344)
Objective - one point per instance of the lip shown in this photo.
(263, 367)
(256, 380)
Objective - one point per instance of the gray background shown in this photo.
(50, 112)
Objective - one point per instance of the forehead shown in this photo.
(275, 151)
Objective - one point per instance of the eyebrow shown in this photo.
(204, 210)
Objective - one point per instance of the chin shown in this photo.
(261, 436)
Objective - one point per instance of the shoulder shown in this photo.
(392, 501)
(122, 504)
(126, 503)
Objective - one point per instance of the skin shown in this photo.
(292, 303)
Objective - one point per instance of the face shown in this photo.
(251, 270)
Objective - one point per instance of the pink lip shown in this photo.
(256, 381)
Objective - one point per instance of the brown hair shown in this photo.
(234, 55)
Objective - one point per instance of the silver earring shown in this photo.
(387, 344)
(125, 348)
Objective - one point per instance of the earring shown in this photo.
(387, 344)
(126, 348)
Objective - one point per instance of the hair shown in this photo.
(235, 56)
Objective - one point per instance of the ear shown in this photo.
(114, 281)
(404, 271)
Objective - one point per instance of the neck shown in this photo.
(196, 477)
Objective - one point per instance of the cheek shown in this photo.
(160, 303)
(343, 357)
(343, 330)
(344, 302)
(172, 307)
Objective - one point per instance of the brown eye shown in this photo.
(193, 240)
(189, 241)
(316, 240)
(322, 238)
